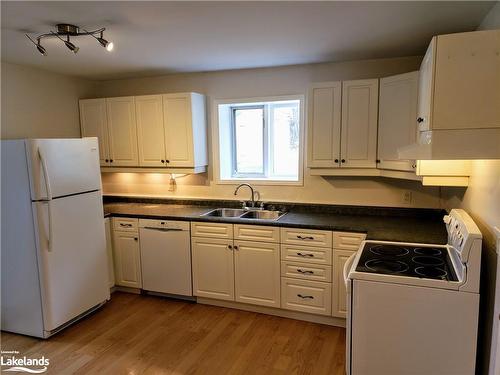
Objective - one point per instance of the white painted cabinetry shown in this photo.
(236, 270)
(359, 123)
(109, 251)
(94, 123)
(127, 256)
(166, 132)
(122, 131)
(150, 134)
(257, 273)
(325, 105)
(213, 268)
(397, 126)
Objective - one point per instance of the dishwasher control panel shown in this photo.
(163, 224)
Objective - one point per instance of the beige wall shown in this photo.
(40, 104)
(268, 82)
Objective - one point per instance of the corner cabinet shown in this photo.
(396, 123)
(148, 133)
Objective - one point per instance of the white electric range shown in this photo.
(413, 308)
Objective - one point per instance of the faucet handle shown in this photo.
(243, 204)
(261, 205)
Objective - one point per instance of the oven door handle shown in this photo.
(347, 267)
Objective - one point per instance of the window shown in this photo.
(260, 140)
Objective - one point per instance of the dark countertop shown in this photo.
(419, 228)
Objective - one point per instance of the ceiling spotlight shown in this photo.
(103, 42)
(71, 46)
(38, 46)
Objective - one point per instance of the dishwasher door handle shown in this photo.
(165, 229)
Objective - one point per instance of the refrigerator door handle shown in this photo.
(49, 197)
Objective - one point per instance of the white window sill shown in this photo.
(262, 181)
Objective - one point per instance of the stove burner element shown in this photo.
(431, 251)
(386, 266)
(428, 261)
(389, 250)
(432, 272)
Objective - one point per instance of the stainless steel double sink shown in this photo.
(249, 214)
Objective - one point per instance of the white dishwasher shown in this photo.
(165, 256)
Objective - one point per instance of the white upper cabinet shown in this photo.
(94, 123)
(122, 131)
(458, 113)
(359, 123)
(150, 134)
(324, 125)
(396, 124)
(185, 130)
(156, 131)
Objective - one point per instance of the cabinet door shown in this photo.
(396, 125)
(339, 295)
(150, 132)
(122, 132)
(324, 125)
(426, 88)
(94, 123)
(127, 259)
(213, 268)
(359, 123)
(178, 125)
(109, 251)
(257, 273)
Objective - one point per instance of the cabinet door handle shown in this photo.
(106, 160)
(167, 161)
(235, 247)
(420, 119)
(163, 161)
(305, 238)
(336, 160)
(305, 255)
(378, 160)
(230, 247)
(343, 160)
(305, 272)
(136, 239)
(305, 297)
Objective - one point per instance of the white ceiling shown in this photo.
(164, 37)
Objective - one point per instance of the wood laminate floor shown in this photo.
(135, 334)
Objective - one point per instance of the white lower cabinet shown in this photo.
(213, 268)
(257, 273)
(127, 259)
(307, 296)
(339, 307)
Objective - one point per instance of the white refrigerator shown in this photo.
(53, 254)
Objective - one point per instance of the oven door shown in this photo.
(348, 286)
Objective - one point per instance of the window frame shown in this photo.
(215, 134)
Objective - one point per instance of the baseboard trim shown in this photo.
(321, 319)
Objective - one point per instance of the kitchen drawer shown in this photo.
(347, 241)
(211, 230)
(306, 254)
(309, 237)
(256, 233)
(315, 272)
(125, 224)
(307, 296)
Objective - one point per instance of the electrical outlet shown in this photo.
(407, 197)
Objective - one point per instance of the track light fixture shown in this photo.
(65, 31)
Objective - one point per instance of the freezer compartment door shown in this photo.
(73, 270)
(60, 167)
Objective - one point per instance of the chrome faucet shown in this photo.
(251, 189)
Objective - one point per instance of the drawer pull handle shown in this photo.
(305, 255)
(305, 297)
(305, 238)
(305, 272)
(125, 225)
